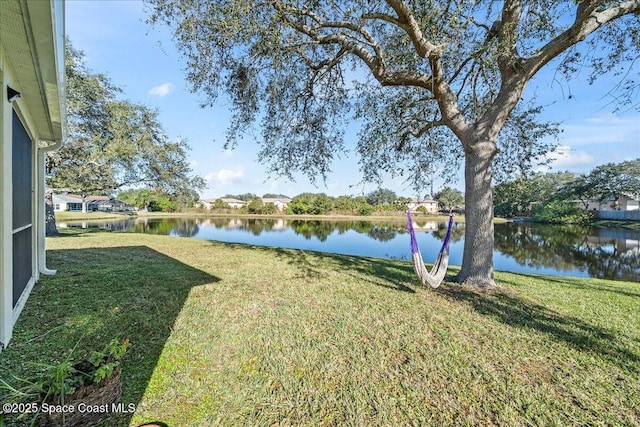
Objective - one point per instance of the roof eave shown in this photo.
(39, 74)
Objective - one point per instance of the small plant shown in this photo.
(108, 359)
(56, 382)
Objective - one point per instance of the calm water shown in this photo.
(519, 247)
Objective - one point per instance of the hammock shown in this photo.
(439, 269)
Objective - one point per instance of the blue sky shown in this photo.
(143, 61)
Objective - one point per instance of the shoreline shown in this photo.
(89, 216)
(95, 216)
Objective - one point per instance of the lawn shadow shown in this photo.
(76, 231)
(313, 265)
(507, 307)
(98, 294)
(591, 285)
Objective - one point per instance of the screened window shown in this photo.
(22, 208)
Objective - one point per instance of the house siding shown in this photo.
(280, 203)
(430, 205)
(234, 203)
(31, 63)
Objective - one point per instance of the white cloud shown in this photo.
(606, 118)
(225, 177)
(598, 139)
(163, 90)
(565, 157)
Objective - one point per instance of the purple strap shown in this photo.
(447, 238)
(412, 233)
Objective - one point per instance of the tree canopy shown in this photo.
(516, 197)
(113, 143)
(381, 196)
(418, 74)
(450, 198)
(606, 182)
(613, 180)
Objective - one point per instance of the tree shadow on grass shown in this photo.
(389, 273)
(312, 265)
(506, 307)
(99, 294)
(592, 285)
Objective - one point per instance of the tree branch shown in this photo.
(508, 55)
(367, 50)
(588, 20)
(448, 103)
(426, 127)
(407, 22)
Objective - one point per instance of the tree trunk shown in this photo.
(477, 259)
(50, 217)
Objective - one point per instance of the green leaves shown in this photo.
(518, 197)
(450, 198)
(428, 80)
(298, 71)
(607, 182)
(562, 212)
(614, 180)
(312, 204)
(381, 196)
(114, 143)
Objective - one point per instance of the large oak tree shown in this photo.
(420, 74)
(113, 143)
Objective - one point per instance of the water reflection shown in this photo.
(520, 247)
(603, 253)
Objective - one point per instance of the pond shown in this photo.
(519, 247)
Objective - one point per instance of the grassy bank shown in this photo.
(227, 334)
(68, 216)
(606, 223)
(85, 216)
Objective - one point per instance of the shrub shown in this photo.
(558, 212)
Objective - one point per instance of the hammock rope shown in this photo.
(434, 277)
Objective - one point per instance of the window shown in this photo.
(22, 208)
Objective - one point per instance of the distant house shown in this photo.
(32, 109)
(206, 203)
(74, 202)
(629, 203)
(431, 206)
(234, 203)
(622, 203)
(108, 205)
(596, 205)
(280, 203)
(66, 203)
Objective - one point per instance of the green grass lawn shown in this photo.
(82, 216)
(227, 334)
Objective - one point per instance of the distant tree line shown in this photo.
(158, 200)
(565, 196)
(377, 201)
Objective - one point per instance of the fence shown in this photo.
(619, 215)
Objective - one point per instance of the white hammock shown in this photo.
(439, 269)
